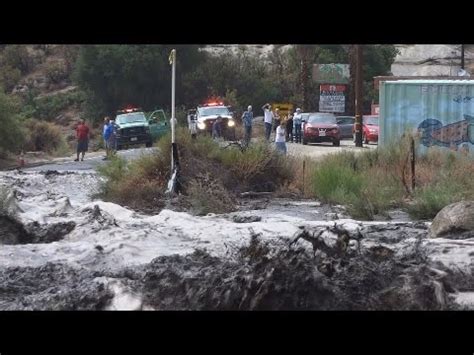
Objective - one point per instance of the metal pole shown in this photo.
(462, 56)
(173, 119)
(358, 96)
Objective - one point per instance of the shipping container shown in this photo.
(440, 112)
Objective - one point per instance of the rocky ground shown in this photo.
(66, 250)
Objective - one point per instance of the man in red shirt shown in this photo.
(82, 134)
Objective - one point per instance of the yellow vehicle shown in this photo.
(284, 109)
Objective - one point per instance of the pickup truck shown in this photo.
(135, 127)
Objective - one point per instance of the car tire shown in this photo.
(364, 138)
(149, 144)
(305, 142)
(336, 143)
(119, 147)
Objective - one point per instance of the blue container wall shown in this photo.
(442, 114)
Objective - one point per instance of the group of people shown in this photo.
(109, 135)
(286, 130)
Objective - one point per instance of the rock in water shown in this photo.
(454, 221)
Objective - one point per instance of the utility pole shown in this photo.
(358, 95)
(173, 184)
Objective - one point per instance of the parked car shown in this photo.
(321, 127)
(370, 129)
(346, 125)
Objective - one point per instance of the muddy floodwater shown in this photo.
(65, 250)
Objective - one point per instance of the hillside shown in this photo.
(432, 60)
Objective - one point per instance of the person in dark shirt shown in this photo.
(289, 128)
(217, 128)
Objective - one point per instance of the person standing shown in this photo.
(276, 119)
(247, 118)
(82, 135)
(217, 128)
(105, 137)
(280, 138)
(297, 125)
(112, 137)
(289, 128)
(268, 119)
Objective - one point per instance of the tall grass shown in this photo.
(371, 183)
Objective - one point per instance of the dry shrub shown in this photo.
(44, 136)
(208, 195)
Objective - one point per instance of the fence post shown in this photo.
(412, 148)
(304, 168)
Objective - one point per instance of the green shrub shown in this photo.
(49, 107)
(17, 56)
(429, 200)
(11, 132)
(9, 77)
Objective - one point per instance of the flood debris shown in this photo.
(13, 231)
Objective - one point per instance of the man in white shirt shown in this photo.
(268, 114)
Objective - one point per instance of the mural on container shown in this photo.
(451, 135)
(441, 115)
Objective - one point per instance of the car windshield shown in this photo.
(322, 119)
(213, 111)
(131, 118)
(371, 121)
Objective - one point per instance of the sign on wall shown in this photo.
(332, 98)
(331, 73)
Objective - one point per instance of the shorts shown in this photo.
(82, 145)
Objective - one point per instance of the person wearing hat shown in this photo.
(297, 126)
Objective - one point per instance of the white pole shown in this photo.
(173, 79)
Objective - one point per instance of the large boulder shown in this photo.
(454, 221)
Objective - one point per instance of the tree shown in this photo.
(117, 75)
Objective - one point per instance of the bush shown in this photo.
(11, 132)
(371, 183)
(429, 200)
(208, 195)
(43, 136)
(9, 77)
(17, 56)
(56, 72)
(210, 175)
(136, 184)
(49, 107)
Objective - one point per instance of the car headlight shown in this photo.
(231, 123)
(201, 125)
